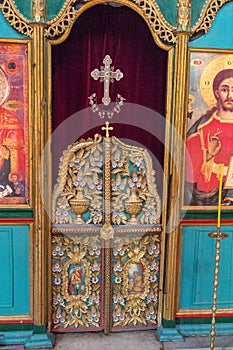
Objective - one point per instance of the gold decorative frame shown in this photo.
(75, 259)
(204, 65)
(15, 122)
(145, 276)
(191, 313)
(42, 51)
(27, 317)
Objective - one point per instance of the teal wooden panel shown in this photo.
(14, 270)
(220, 33)
(6, 275)
(197, 268)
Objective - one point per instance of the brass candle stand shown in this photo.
(218, 236)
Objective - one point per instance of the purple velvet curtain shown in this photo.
(121, 33)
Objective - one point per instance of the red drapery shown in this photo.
(123, 34)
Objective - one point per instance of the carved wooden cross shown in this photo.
(107, 128)
(106, 74)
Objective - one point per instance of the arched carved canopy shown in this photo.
(58, 29)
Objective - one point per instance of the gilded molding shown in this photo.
(38, 10)
(172, 240)
(15, 18)
(184, 14)
(58, 29)
(207, 16)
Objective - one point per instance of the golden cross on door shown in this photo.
(107, 128)
(106, 74)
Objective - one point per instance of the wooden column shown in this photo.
(177, 163)
(38, 177)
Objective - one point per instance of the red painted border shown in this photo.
(205, 221)
(16, 322)
(16, 220)
(194, 315)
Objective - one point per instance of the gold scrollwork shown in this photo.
(76, 281)
(156, 20)
(207, 15)
(61, 25)
(134, 192)
(15, 18)
(79, 185)
(135, 280)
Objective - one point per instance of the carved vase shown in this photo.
(133, 206)
(79, 206)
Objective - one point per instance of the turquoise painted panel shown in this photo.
(220, 33)
(6, 31)
(6, 275)
(197, 268)
(14, 270)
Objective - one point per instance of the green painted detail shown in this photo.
(16, 213)
(169, 10)
(15, 327)
(203, 320)
(53, 8)
(24, 7)
(197, 268)
(168, 323)
(196, 6)
(14, 262)
(6, 31)
(167, 334)
(220, 32)
(39, 329)
(206, 215)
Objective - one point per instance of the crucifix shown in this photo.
(107, 75)
(107, 128)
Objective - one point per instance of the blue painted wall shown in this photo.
(220, 33)
(15, 270)
(6, 31)
(197, 268)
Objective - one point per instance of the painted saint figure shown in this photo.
(209, 144)
(136, 283)
(75, 281)
(17, 185)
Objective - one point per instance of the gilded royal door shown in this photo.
(105, 238)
